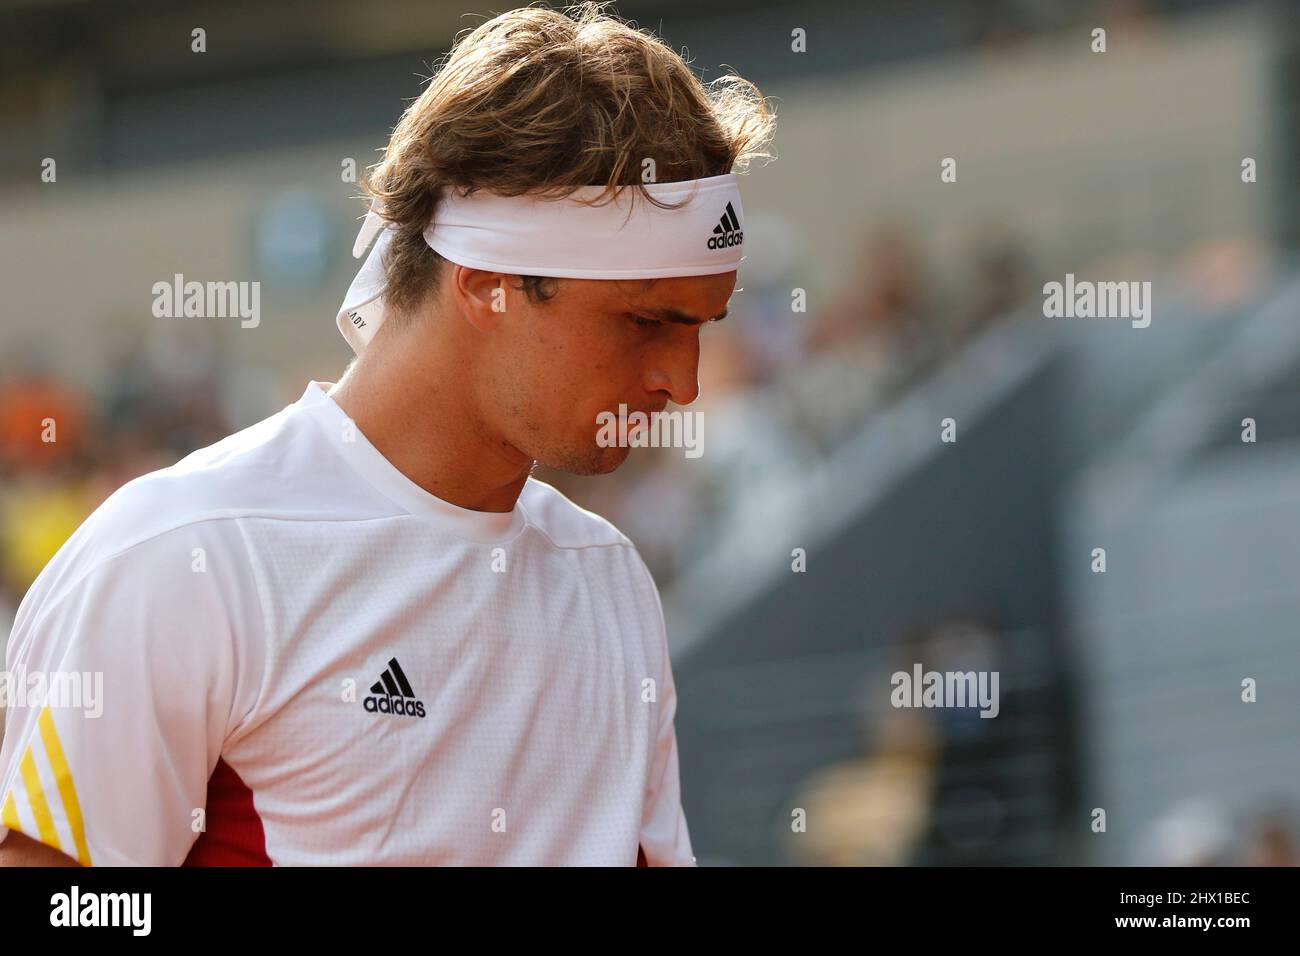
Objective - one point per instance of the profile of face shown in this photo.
(547, 370)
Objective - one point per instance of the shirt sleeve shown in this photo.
(665, 839)
(125, 680)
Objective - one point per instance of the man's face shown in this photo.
(554, 366)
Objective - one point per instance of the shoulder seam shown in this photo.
(621, 541)
(576, 547)
(255, 568)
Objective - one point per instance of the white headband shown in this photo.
(564, 238)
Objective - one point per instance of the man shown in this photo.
(359, 632)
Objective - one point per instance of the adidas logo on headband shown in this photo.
(727, 231)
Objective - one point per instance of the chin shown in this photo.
(607, 460)
(595, 461)
(612, 458)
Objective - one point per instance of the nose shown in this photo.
(675, 369)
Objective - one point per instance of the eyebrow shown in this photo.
(681, 318)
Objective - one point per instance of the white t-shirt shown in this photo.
(308, 659)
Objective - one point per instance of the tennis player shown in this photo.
(358, 632)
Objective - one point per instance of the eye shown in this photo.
(643, 322)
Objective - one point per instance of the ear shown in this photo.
(481, 297)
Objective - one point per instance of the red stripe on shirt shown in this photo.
(234, 834)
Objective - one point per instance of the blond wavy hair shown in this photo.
(542, 101)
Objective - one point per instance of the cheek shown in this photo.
(576, 368)
(595, 363)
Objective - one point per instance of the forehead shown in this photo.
(703, 294)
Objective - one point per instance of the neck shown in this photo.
(416, 407)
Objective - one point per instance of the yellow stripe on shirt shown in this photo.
(36, 797)
(63, 778)
(9, 815)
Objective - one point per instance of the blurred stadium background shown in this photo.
(1118, 690)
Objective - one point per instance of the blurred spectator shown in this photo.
(160, 403)
(41, 421)
(1197, 832)
(1271, 840)
(872, 811)
(1000, 282)
(36, 517)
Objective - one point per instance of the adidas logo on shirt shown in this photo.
(392, 694)
(727, 231)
